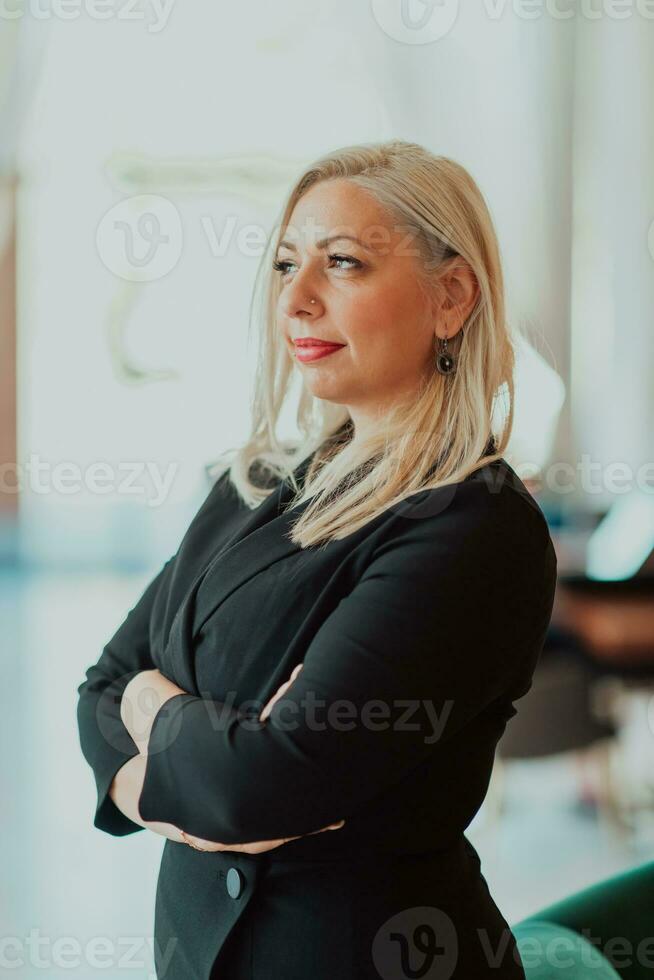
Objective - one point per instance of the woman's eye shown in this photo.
(346, 258)
(282, 265)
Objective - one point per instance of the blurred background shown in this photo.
(145, 150)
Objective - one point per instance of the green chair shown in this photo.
(605, 932)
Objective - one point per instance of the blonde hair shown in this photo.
(443, 434)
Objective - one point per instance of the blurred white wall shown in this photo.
(201, 83)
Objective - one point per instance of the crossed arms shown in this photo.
(444, 618)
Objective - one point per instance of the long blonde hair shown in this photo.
(443, 434)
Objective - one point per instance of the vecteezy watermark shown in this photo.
(567, 9)
(141, 238)
(416, 21)
(310, 712)
(98, 953)
(563, 950)
(589, 476)
(585, 478)
(424, 941)
(416, 942)
(67, 478)
(426, 21)
(155, 12)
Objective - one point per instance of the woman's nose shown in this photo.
(298, 302)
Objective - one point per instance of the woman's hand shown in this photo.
(257, 847)
(125, 791)
(142, 698)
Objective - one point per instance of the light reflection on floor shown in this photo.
(69, 883)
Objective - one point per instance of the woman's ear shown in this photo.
(455, 295)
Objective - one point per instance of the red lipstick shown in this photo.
(311, 348)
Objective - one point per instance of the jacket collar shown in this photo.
(262, 539)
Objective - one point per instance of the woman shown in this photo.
(338, 642)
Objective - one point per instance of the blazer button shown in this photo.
(235, 883)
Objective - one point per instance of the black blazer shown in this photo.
(417, 634)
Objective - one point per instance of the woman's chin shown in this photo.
(325, 388)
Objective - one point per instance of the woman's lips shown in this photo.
(305, 352)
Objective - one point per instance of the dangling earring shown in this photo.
(445, 361)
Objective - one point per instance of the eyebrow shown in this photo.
(323, 242)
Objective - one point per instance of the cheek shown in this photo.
(389, 334)
(372, 325)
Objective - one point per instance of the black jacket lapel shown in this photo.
(262, 538)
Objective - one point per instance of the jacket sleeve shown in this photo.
(449, 615)
(105, 742)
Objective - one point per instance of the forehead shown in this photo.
(338, 207)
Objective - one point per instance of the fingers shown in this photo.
(278, 694)
(268, 708)
(257, 847)
(332, 826)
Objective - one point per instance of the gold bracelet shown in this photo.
(191, 844)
